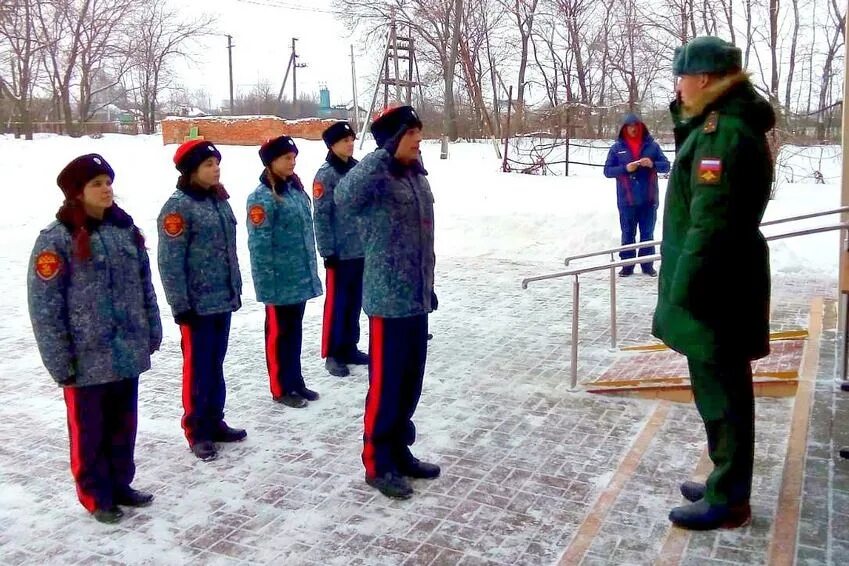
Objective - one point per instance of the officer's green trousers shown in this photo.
(725, 399)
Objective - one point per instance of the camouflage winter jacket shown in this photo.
(335, 227)
(394, 206)
(197, 252)
(95, 320)
(282, 243)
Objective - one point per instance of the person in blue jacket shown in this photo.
(635, 161)
(338, 238)
(96, 321)
(203, 286)
(283, 263)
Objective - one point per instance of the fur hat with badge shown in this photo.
(192, 153)
(274, 148)
(394, 121)
(72, 214)
(337, 132)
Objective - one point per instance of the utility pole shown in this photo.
(354, 82)
(295, 67)
(230, 58)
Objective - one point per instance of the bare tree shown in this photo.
(61, 24)
(20, 49)
(103, 58)
(160, 35)
(791, 69)
(522, 12)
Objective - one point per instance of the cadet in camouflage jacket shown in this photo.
(197, 252)
(394, 205)
(389, 193)
(203, 285)
(282, 243)
(336, 230)
(95, 318)
(282, 247)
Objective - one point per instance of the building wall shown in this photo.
(242, 130)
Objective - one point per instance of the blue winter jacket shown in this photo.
(95, 320)
(282, 243)
(197, 252)
(336, 230)
(639, 187)
(394, 206)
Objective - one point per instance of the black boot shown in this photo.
(693, 491)
(229, 434)
(391, 485)
(356, 358)
(308, 394)
(626, 271)
(335, 367)
(429, 336)
(108, 516)
(205, 450)
(412, 467)
(844, 386)
(130, 497)
(844, 453)
(702, 516)
(293, 399)
(650, 271)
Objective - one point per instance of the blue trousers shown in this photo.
(644, 217)
(283, 340)
(342, 304)
(102, 422)
(204, 344)
(398, 352)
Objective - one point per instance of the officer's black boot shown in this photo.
(293, 399)
(336, 367)
(357, 358)
(412, 467)
(693, 491)
(702, 516)
(308, 394)
(844, 453)
(130, 497)
(205, 450)
(626, 271)
(228, 434)
(108, 516)
(391, 485)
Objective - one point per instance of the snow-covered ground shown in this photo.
(511, 225)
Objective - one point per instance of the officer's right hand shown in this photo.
(631, 167)
(185, 317)
(331, 261)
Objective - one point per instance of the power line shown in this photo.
(295, 7)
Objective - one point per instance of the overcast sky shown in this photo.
(262, 33)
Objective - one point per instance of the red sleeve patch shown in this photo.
(317, 189)
(173, 224)
(256, 214)
(48, 265)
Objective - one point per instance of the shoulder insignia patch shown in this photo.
(48, 264)
(710, 171)
(317, 189)
(173, 224)
(711, 122)
(256, 214)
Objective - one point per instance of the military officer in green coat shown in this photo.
(714, 288)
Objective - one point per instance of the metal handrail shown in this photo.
(576, 284)
(639, 245)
